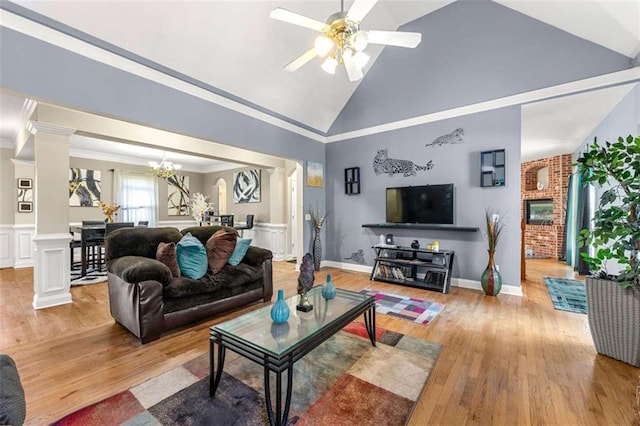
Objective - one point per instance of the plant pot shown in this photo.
(614, 315)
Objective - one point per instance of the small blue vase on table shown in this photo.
(280, 309)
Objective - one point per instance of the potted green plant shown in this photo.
(613, 300)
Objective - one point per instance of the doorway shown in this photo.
(219, 193)
(294, 216)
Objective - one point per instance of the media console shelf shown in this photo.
(413, 267)
(421, 226)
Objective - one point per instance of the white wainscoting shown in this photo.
(271, 236)
(24, 248)
(6, 246)
(16, 246)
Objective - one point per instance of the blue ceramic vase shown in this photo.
(328, 289)
(280, 309)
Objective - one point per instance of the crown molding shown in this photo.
(49, 128)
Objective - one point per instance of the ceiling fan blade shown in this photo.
(359, 9)
(293, 18)
(394, 38)
(301, 60)
(353, 71)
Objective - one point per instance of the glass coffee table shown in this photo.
(278, 346)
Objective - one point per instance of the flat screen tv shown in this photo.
(431, 204)
(539, 212)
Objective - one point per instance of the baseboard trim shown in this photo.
(510, 290)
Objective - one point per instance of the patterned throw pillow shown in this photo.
(219, 249)
(192, 257)
(242, 245)
(166, 253)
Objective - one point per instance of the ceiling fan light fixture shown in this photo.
(323, 45)
(359, 41)
(361, 59)
(329, 65)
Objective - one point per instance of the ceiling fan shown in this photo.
(341, 39)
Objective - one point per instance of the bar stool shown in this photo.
(248, 225)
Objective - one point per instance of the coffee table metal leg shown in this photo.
(280, 417)
(370, 324)
(214, 381)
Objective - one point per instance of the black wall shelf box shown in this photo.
(492, 168)
(352, 180)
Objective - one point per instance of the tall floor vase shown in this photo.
(491, 279)
(317, 250)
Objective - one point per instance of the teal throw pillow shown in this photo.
(192, 257)
(242, 245)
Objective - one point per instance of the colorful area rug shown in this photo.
(409, 308)
(567, 295)
(343, 381)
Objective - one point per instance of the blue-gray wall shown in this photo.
(623, 120)
(471, 51)
(458, 164)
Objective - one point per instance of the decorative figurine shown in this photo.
(305, 283)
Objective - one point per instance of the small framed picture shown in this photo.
(25, 207)
(25, 183)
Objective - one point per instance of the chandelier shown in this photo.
(164, 169)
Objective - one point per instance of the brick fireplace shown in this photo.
(547, 178)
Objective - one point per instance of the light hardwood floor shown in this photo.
(506, 360)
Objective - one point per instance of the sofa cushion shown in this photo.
(192, 257)
(13, 408)
(135, 269)
(242, 245)
(166, 254)
(185, 287)
(236, 276)
(219, 249)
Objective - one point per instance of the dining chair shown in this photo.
(93, 242)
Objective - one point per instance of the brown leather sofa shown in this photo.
(147, 300)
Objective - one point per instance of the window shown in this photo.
(136, 193)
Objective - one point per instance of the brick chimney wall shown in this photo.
(547, 240)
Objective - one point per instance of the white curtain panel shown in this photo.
(137, 195)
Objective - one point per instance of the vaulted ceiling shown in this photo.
(233, 48)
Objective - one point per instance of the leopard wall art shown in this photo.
(393, 166)
(452, 138)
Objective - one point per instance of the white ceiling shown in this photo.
(234, 46)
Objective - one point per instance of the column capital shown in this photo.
(53, 129)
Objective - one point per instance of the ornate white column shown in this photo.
(51, 273)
